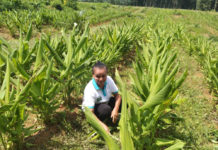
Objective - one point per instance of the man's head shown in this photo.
(99, 73)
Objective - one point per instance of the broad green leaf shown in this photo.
(21, 70)
(4, 59)
(7, 79)
(21, 48)
(55, 54)
(68, 58)
(163, 142)
(178, 145)
(91, 118)
(5, 108)
(29, 32)
(21, 109)
(126, 140)
(39, 55)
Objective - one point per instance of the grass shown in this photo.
(199, 109)
(93, 11)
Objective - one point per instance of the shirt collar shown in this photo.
(96, 85)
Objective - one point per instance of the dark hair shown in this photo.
(98, 64)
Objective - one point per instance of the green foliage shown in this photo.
(58, 14)
(72, 4)
(40, 14)
(13, 112)
(55, 69)
(185, 4)
(154, 90)
(207, 55)
(204, 4)
(91, 118)
(12, 4)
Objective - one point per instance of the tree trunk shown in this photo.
(215, 5)
(198, 2)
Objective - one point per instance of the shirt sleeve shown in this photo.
(113, 86)
(88, 99)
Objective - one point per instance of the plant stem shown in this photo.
(2, 139)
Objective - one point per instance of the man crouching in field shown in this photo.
(101, 95)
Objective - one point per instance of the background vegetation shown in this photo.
(47, 49)
(184, 4)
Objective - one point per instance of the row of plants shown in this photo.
(46, 15)
(206, 53)
(16, 20)
(24, 4)
(52, 71)
(148, 102)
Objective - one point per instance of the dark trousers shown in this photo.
(103, 110)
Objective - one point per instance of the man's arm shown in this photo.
(115, 111)
(102, 124)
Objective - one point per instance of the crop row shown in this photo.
(147, 107)
(206, 53)
(50, 72)
(41, 15)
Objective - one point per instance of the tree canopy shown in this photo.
(184, 4)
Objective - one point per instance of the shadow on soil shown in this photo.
(64, 122)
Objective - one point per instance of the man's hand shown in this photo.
(105, 127)
(115, 112)
(114, 115)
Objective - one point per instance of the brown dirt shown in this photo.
(101, 23)
(211, 30)
(198, 81)
(31, 120)
(4, 33)
(44, 135)
(177, 16)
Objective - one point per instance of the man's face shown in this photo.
(100, 76)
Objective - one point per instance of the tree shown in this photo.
(204, 4)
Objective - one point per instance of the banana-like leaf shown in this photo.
(12, 93)
(25, 89)
(29, 32)
(163, 142)
(91, 118)
(158, 98)
(55, 54)
(47, 79)
(6, 44)
(21, 48)
(4, 58)
(39, 55)
(80, 44)
(7, 79)
(126, 140)
(52, 90)
(68, 58)
(178, 145)
(5, 108)
(21, 109)
(181, 79)
(30, 53)
(21, 70)
(66, 71)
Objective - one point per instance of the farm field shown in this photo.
(166, 62)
